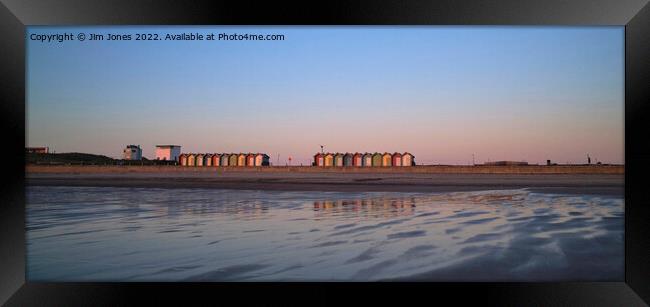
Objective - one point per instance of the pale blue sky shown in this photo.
(442, 93)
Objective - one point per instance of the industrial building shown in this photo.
(132, 152)
(168, 152)
(224, 159)
(364, 159)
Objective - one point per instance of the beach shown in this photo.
(587, 180)
(152, 234)
(107, 223)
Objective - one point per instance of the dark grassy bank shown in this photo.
(78, 158)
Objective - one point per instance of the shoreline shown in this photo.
(419, 169)
(593, 184)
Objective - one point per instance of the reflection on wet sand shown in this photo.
(125, 234)
(367, 207)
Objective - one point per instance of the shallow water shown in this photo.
(133, 234)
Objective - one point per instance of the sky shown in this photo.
(445, 94)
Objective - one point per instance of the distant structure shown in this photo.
(408, 159)
(224, 159)
(397, 159)
(40, 150)
(357, 159)
(363, 159)
(168, 152)
(506, 163)
(386, 159)
(329, 159)
(199, 159)
(319, 159)
(132, 152)
(366, 160)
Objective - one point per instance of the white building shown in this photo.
(132, 152)
(168, 152)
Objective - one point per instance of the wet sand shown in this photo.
(601, 184)
(106, 234)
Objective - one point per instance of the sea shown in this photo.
(148, 234)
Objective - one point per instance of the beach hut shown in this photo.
(250, 159)
(329, 159)
(386, 159)
(338, 159)
(376, 159)
(207, 160)
(366, 160)
(191, 159)
(261, 159)
(347, 159)
(225, 158)
(397, 159)
(408, 159)
(241, 159)
(232, 160)
(216, 160)
(318, 159)
(199, 159)
(182, 159)
(357, 159)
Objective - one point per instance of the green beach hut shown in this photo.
(376, 159)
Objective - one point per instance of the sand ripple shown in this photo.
(144, 234)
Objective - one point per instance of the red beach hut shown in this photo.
(397, 159)
(357, 159)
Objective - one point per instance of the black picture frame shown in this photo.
(15, 15)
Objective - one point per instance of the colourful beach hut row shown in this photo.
(223, 159)
(364, 159)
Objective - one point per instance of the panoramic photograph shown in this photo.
(324, 153)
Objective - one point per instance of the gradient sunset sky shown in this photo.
(441, 93)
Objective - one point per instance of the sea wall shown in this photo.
(429, 169)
